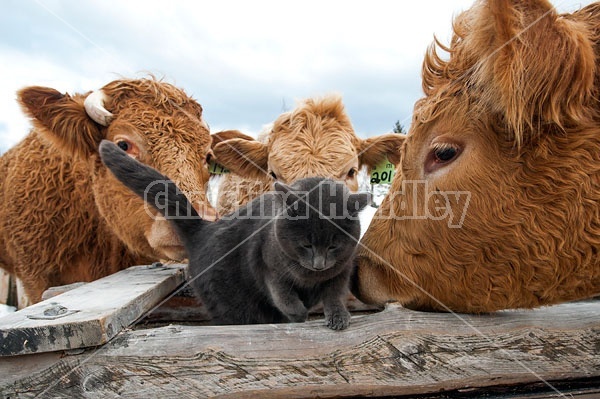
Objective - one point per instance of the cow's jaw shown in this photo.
(165, 241)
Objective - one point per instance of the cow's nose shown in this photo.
(207, 212)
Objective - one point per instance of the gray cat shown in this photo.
(270, 261)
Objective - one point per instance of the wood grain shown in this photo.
(183, 306)
(394, 352)
(89, 315)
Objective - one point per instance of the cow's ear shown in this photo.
(534, 66)
(62, 119)
(224, 135)
(247, 158)
(375, 149)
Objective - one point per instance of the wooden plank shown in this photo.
(22, 298)
(392, 353)
(89, 315)
(4, 287)
(61, 289)
(185, 307)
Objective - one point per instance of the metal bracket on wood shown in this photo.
(157, 266)
(52, 312)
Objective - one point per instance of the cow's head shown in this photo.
(315, 139)
(496, 200)
(152, 121)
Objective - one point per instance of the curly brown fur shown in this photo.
(314, 139)
(518, 99)
(64, 217)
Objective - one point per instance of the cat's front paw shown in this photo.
(299, 316)
(338, 320)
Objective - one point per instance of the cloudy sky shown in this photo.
(244, 61)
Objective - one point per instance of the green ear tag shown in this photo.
(383, 173)
(216, 169)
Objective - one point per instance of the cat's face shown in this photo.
(318, 244)
(320, 227)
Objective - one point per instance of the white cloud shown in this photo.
(19, 70)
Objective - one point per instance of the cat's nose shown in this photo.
(319, 262)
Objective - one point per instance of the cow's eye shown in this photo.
(128, 146)
(352, 172)
(124, 145)
(441, 154)
(273, 175)
(445, 154)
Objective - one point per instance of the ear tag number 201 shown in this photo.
(383, 173)
(216, 169)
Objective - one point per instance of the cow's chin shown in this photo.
(176, 253)
(164, 240)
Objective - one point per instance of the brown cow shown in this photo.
(64, 217)
(315, 139)
(496, 203)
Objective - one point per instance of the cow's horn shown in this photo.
(94, 106)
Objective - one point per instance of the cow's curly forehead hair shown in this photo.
(125, 93)
(152, 105)
(321, 131)
(326, 112)
(524, 96)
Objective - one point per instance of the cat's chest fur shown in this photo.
(246, 274)
(288, 272)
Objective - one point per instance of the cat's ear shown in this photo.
(281, 188)
(357, 202)
(290, 199)
(286, 192)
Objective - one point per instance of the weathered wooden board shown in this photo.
(4, 287)
(392, 353)
(61, 289)
(22, 299)
(185, 307)
(89, 315)
(12, 291)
